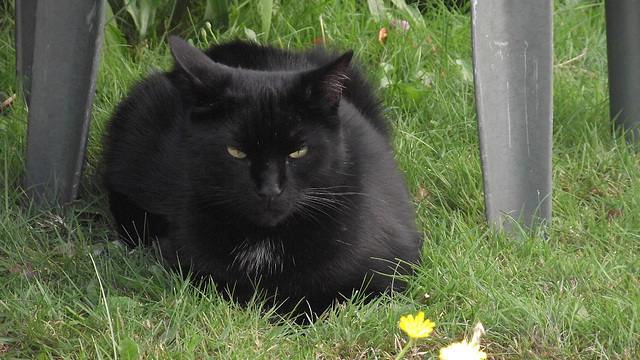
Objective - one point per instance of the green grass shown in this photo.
(69, 291)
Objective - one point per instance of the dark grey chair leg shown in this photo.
(25, 30)
(66, 53)
(623, 48)
(513, 71)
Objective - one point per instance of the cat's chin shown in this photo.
(268, 218)
(268, 222)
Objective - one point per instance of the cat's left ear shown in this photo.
(324, 86)
(201, 70)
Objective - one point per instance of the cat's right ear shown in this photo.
(324, 86)
(199, 68)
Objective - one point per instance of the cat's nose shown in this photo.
(269, 190)
(269, 181)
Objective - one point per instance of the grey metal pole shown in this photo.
(513, 75)
(66, 55)
(623, 49)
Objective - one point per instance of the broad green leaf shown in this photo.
(217, 11)
(128, 349)
(265, 8)
(378, 10)
(113, 38)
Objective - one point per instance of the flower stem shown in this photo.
(404, 350)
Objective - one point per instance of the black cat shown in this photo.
(263, 168)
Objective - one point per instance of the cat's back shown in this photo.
(140, 143)
(249, 55)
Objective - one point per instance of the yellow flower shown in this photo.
(462, 351)
(416, 327)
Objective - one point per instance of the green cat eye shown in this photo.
(236, 153)
(299, 153)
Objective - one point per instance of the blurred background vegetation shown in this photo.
(138, 24)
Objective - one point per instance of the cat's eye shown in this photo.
(236, 153)
(299, 153)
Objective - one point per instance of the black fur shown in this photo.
(314, 227)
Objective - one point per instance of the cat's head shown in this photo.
(266, 146)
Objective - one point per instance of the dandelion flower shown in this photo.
(478, 331)
(416, 327)
(462, 351)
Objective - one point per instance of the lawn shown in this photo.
(71, 291)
